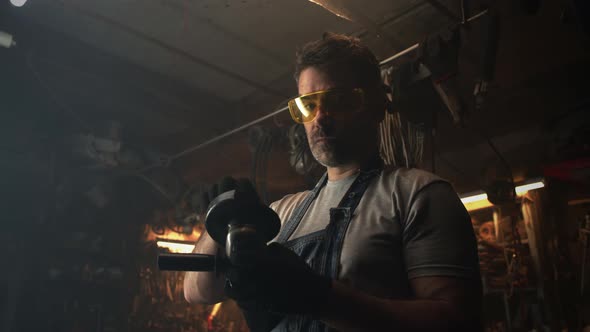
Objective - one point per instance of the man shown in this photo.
(370, 248)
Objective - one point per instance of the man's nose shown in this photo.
(323, 114)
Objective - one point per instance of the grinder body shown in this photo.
(240, 224)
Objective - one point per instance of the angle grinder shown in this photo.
(238, 222)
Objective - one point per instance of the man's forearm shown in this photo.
(348, 309)
(204, 287)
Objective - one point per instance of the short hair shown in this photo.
(335, 51)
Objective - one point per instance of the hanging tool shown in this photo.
(490, 36)
(440, 54)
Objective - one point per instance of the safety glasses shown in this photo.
(335, 101)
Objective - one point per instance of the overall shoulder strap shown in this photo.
(290, 226)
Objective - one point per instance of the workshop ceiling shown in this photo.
(223, 63)
(227, 48)
(234, 57)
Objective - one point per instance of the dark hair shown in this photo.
(334, 52)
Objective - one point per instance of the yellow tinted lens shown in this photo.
(295, 113)
(305, 108)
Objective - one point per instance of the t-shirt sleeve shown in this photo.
(438, 236)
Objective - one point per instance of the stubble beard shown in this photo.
(343, 149)
(328, 154)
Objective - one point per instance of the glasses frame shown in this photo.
(293, 107)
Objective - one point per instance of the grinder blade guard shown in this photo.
(232, 208)
(239, 223)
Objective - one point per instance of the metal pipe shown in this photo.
(249, 124)
(415, 46)
(400, 54)
(233, 131)
(464, 11)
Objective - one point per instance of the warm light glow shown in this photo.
(521, 190)
(212, 315)
(215, 309)
(178, 248)
(474, 198)
(180, 236)
(331, 8)
(481, 204)
(149, 235)
(480, 201)
(18, 3)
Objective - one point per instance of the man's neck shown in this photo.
(336, 173)
(342, 172)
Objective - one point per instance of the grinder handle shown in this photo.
(188, 262)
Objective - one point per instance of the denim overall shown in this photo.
(321, 250)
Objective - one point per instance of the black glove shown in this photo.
(226, 184)
(278, 281)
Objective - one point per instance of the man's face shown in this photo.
(336, 138)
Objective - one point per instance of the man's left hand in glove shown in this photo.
(278, 281)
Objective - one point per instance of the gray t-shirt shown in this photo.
(408, 224)
(317, 216)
